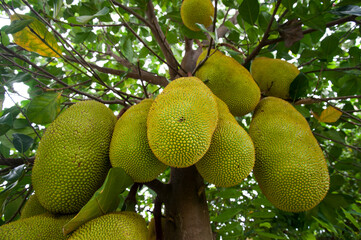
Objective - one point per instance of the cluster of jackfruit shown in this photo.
(192, 122)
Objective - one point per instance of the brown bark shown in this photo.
(187, 216)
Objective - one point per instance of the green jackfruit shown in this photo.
(72, 159)
(181, 122)
(197, 11)
(116, 225)
(129, 148)
(274, 76)
(40, 227)
(231, 156)
(290, 167)
(229, 81)
(32, 207)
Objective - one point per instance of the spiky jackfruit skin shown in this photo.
(40, 227)
(181, 122)
(129, 148)
(72, 159)
(231, 155)
(274, 76)
(117, 225)
(290, 167)
(229, 81)
(197, 11)
(32, 207)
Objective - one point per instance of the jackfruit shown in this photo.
(197, 11)
(231, 156)
(181, 122)
(274, 76)
(129, 148)
(290, 167)
(32, 207)
(117, 225)
(72, 159)
(40, 227)
(229, 81)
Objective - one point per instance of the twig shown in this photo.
(265, 37)
(312, 100)
(338, 142)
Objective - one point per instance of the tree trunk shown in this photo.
(187, 216)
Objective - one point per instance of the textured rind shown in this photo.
(72, 159)
(197, 11)
(229, 81)
(32, 207)
(117, 225)
(274, 76)
(129, 148)
(40, 227)
(231, 155)
(181, 122)
(290, 167)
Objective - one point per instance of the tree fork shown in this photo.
(186, 209)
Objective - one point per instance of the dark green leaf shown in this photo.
(86, 19)
(262, 215)
(22, 142)
(18, 25)
(299, 86)
(249, 11)
(268, 235)
(348, 10)
(15, 174)
(105, 200)
(44, 108)
(227, 214)
(329, 45)
(6, 123)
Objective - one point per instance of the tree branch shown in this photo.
(265, 37)
(162, 41)
(13, 162)
(312, 100)
(159, 188)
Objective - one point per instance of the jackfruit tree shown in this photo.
(203, 119)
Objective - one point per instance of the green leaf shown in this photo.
(15, 174)
(268, 235)
(6, 123)
(227, 214)
(347, 10)
(299, 86)
(4, 195)
(36, 38)
(4, 38)
(289, 3)
(262, 215)
(105, 200)
(87, 18)
(12, 207)
(329, 46)
(18, 25)
(22, 142)
(327, 226)
(249, 11)
(351, 218)
(44, 108)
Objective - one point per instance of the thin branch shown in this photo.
(142, 41)
(13, 162)
(143, 86)
(312, 100)
(357, 67)
(162, 41)
(338, 142)
(265, 37)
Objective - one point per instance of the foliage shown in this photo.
(119, 52)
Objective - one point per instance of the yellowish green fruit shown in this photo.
(274, 76)
(229, 81)
(181, 122)
(290, 167)
(32, 207)
(129, 148)
(117, 225)
(39, 227)
(231, 156)
(197, 11)
(72, 159)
